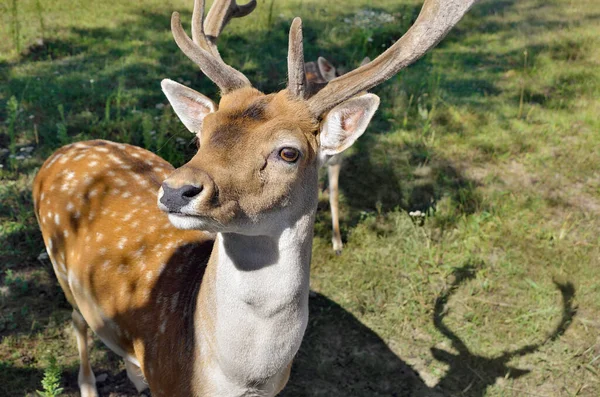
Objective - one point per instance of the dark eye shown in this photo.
(289, 154)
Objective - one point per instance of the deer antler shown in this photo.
(202, 50)
(296, 75)
(435, 20)
(569, 310)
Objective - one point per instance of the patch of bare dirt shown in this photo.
(557, 189)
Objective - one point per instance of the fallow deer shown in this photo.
(318, 74)
(206, 294)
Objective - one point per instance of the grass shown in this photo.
(494, 136)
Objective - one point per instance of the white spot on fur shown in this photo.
(115, 159)
(140, 251)
(57, 219)
(53, 160)
(99, 237)
(122, 242)
(87, 180)
(70, 207)
(93, 163)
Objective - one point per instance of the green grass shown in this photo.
(495, 135)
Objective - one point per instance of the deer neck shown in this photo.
(257, 305)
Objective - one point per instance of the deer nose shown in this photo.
(176, 198)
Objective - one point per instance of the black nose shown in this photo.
(175, 198)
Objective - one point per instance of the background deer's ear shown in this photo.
(326, 68)
(345, 123)
(190, 106)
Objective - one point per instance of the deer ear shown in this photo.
(326, 68)
(345, 123)
(190, 106)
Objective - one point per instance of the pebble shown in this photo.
(101, 378)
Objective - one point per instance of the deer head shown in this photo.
(258, 154)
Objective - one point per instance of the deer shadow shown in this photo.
(471, 374)
(340, 356)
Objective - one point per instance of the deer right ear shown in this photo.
(345, 123)
(326, 68)
(190, 106)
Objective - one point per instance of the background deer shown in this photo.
(207, 294)
(318, 74)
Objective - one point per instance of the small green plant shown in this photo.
(16, 25)
(12, 108)
(51, 380)
(17, 281)
(40, 14)
(147, 132)
(61, 127)
(522, 95)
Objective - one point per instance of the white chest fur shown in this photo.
(261, 293)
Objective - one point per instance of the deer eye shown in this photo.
(289, 154)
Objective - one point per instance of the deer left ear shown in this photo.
(190, 106)
(345, 123)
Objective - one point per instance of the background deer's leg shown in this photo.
(134, 373)
(86, 379)
(333, 173)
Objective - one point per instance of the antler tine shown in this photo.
(198, 25)
(220, 14)
(567, 291)
(203, 51)
(435, 20)
(296, 75)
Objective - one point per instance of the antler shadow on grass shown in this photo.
(470, 374)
